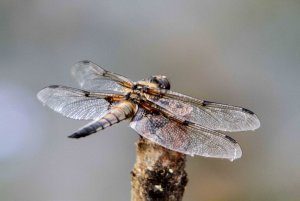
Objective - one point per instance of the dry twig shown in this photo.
(158, 174)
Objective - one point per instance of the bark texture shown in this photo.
(158, 174)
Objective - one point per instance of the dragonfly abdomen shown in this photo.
(121, 111)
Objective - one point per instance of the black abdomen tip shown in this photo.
(74, 135)
(83, 132)
(79, 135)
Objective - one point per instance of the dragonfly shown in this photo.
(175, 121)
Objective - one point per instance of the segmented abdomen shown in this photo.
(119, 112)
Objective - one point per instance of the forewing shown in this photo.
(211, 115)
(187, 139)
(92, 77)
(75, 103)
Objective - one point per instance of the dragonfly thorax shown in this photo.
(153, 82)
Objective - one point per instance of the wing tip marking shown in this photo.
(231, 139)
(247, 111)
(85, 61)
(205, 103)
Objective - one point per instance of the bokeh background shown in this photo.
(244, 53)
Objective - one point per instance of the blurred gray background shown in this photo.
(244, 53)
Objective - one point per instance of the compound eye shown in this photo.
(161, 81)
(165, 85)
(154, 80)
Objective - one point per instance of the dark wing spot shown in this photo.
(87, 94)
(53, 86)
(86, 62)
(205, 103)
(247, 111)
(231, 139)
(109, 99)
(187, 123)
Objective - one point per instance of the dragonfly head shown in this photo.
(161, 81)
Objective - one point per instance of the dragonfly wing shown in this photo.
(75, 103)
(211, 115)
(92, 77)
(187, 139)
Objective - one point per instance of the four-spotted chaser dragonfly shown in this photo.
(170, 119)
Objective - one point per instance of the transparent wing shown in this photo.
(187, 139)
(75, 103)
(92, 77)
(211, 115)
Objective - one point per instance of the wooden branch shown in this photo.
(158, 174)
